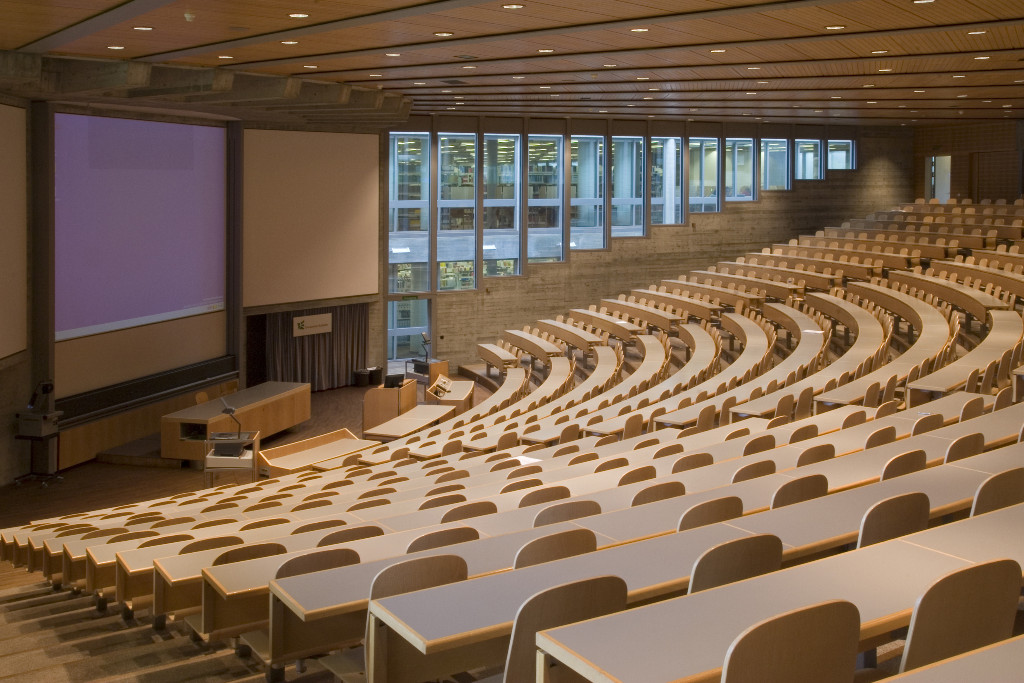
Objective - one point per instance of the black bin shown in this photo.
(362, 378)
(376, 375)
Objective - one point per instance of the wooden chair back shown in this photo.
(563, 512)
(637, 474)
(444, 537)
(555, 546)
(544, 495)
(349, 535)
(819, 453)
(964, 447)
(904, 463)
(814, 644)
(711, 512)
(210, 544)
(475, 509)
(894, 517)
(752, 470)
(964, 610)
(565, 604)
(759, 444)
(799, 490)
(692, 461)
(880, 437)
(735, 560)
(317, 561)
(656, 492)
(249, 552)
(999, 491)
(926, 423)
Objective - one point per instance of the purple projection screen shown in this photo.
(140, 222)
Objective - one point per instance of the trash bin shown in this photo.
(362, 378)
(376, 375)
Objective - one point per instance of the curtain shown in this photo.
(325, 361)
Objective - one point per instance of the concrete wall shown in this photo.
(883, 178)
(986, 158)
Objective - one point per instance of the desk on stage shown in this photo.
(267, 408)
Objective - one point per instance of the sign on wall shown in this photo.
(303, 325)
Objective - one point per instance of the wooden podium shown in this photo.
(448, 392)
(381, 404)
(231, 459)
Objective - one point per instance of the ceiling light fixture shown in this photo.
(609, 66)
(979, 58)
(142, 28)
(753, 68)
(639, 30)
(224, 57)
(884, 70)
(879, 52)
(115, 47)
(512, 7)
(392, 54)
(519, 77)
(298, 15)
(289, 42)
(643, 78)
(837, 27)
(443, 34)
(545, 50)
(309, 66)
(376, 75)
(976, 33)
(419, 82)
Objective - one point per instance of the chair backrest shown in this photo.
(760, 468)
(904, 514)
(972, 409)
(964, 447)
(634, 426)
(563, 512)
(799, 490)
(555, 547)
(735, 560)
(417, 574)
(565, 604)
(818, 453)
(692, 461)
(355, 533)
(759, 444)
(249, 552)
(544, 495)
(999, 491)
(964, 610)
(611, 464)
(637, 474)
(317, 561)
(656, 492)
(209, 544)
(710, 512)
(880, 436)
(442, 500)
(814, 644)
(474, 509)
(438, 539)
(926, 423)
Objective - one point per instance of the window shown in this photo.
(739, 169)
(840, 155)
(808, 160)
(703, 175)
(627, 186)
(501, 236)
(666, 181)
(586, 202)
(456, 212)
(406, 320)
(544, 199)
(774, 164)
(408, 217)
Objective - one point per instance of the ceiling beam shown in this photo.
(169, 81)
(249, 88)
(17, 68)
(126, 11)
(76, 77)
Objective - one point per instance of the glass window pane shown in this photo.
(406, 320)
(808, 160)
(456, 212)
(703, 175)
(501, 205)
(774, 164)
(408, 217)
(586, 202)
(840, 155)
(666, 181)
(544, 199)
(739, 169)
(627, 186)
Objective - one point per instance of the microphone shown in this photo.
(229, 411)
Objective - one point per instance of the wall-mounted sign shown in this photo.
(303, 325)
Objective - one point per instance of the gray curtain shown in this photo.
(325, 361)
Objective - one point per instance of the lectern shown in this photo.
(231, 458)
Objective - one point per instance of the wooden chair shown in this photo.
(1004, 399)
(735, 560)
(558, 606)
(926, 423)
(964, 447)
(402, 577)
(444, 537)
(355, 533)
(692, 461)
(964, 610)
(753, 470)
(799, 490)
(814, 644)
(880, 437)
(544, 495)
(818, 453)
(205, 544)
(249, 552)
(999, 491)
(904, 463)
(634, 426)
(803, 432)
(638, 474)
(887, 408)
(317, 562)
(973, 408)
(611, 464)
(555, 546)
(656, 492)
(670, 449)
(563, 512)
(759, 444)
(711, 512)
(476, 508)
(893, 517)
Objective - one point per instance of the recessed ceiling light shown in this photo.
(959, 76)
(879, 52)
(457, 103)
(648, 98)
(545, 87)
(923, 2)
(224, 57)
(309, 66)
(392, 54)
(919, 91)
(1019, 81)
(419, 82)
(884, 70)
(289, 42)
(653, 89)
(961, 96)
(442, 34)
(976, 33)
(872, 102)
(643, 78)
(458, 97)
(987, 101)
(143, 28)
(1007, 106)
(837, 27)
(753, 68)
(115, 47)
(469, 66)
(376, 75)
(519, 77)
(609, 66)
(868, 85)
(445, 91)
(554, 94)
(630, 105)
(639, 30)
(818, 111)
(602, 111)
(762, 82)
(902, 106)
(298, 15)
(545, 49)
(717, 51)
(512, 7)
(983, 58)
(836, 97)
(751, 93)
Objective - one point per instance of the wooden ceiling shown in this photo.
(370, 63)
